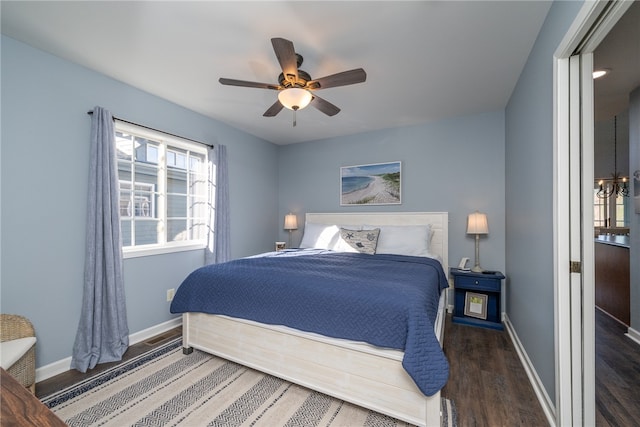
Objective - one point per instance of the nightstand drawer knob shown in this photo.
(476, 282)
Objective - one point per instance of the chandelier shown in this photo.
(614, 186)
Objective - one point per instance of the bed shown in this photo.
(371, 376)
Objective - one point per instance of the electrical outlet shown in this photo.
(170, 293)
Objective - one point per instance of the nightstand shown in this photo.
(477, 298)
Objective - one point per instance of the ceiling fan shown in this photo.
(296, 87)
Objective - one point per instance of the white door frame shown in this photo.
(573, 212)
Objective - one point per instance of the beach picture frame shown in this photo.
(371, 184)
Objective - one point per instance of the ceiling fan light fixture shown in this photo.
(294, 98)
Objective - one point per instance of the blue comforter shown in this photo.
(386, 300)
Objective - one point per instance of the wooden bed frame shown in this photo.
(359, 373)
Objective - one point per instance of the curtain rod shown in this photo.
(156, 130)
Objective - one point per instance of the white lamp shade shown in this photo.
(477, 223)
(290, 222)
(294, 98)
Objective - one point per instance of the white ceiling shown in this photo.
(425, 61)
(619, 52)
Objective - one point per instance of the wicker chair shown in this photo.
(13, 327)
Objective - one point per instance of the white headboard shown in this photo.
(439, 224)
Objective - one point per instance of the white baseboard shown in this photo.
(541, 393)
(155, 330)
(633, 334)
(64, 365)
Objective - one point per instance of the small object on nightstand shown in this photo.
(280, 246)
(477, 298)
(463, 264)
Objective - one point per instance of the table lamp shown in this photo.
(477, 224)
(290, 224)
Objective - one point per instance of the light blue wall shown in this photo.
(529, 197)
(45, 150)
(454, 165)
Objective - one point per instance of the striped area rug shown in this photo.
(164, 387)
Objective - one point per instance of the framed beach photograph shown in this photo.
(373, 184)
(475, 305)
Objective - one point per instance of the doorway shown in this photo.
(575, 306)
(616, 356)
(616, 56)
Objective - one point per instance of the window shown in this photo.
(610, 211)
(622, 211)
(599, 210)
(163, 191)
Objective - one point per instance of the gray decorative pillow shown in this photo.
(364, 241)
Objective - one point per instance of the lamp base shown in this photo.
(476, 268)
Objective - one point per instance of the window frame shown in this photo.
(165, 141)
(133, 211)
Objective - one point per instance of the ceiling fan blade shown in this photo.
(244, 83)
(339, 79)
(325, 106)
(286, 55)
(273, 110)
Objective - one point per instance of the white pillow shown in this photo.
(319, 236)
(410, 240)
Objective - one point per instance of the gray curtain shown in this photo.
(103, 334)
(218, 228)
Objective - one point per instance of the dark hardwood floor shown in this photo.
(617, 375)
(66, 379)
(487, 382)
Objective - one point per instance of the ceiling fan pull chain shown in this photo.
(294, 118)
